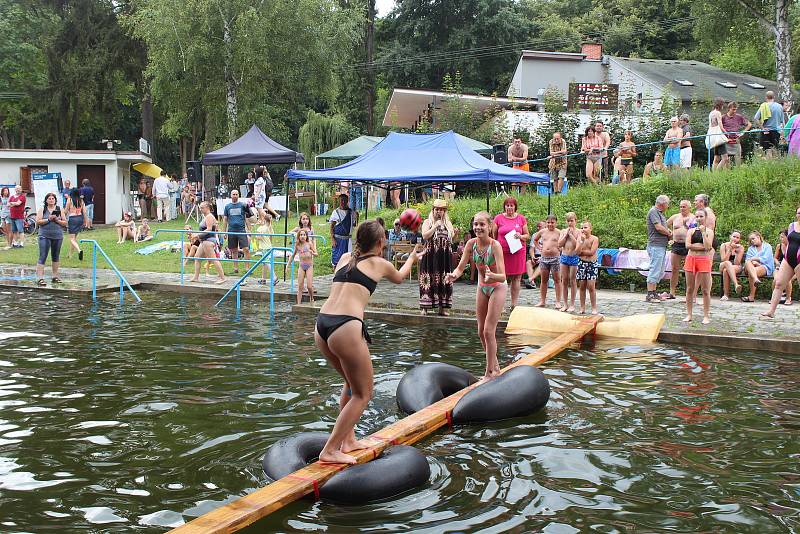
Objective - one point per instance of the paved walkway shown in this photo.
(728, 318)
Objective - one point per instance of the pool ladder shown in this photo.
(123, 282)
(268, 255)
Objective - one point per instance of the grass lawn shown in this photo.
(126, 258)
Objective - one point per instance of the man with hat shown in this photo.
(343, 221)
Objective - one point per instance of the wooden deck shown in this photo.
(250, 508)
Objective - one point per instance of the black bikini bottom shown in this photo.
(327, 324)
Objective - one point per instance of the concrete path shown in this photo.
(730, 318)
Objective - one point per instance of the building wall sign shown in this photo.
(601, 96)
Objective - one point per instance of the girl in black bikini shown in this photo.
(342, 336)
(790, 266)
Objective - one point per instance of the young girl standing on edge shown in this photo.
(341, 334)
(487, 254)
(304, 250)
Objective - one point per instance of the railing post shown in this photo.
(183, 259)
(238, 296)
(271, 285)
(94, 270)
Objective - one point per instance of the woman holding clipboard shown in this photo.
(511, 230)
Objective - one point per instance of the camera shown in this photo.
(56, 212)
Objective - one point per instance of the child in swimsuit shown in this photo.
(341, 335)
(487, 254)
(304, 250)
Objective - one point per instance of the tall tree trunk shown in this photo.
(783, 49)
(370, 73)
(147, 119)
(230, 80)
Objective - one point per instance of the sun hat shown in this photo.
(440, 203)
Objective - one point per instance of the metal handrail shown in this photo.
(122, 280)
(183, 258)
(237, 286)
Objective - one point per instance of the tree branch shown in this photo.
(761, 19)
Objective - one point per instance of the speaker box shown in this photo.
(500, 154)
(194, 171)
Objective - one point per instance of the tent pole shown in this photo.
(549, 192)
(366, 203)
(487, 196)
(286, 220)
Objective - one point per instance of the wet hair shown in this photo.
(510, 200)
(551, 217)
(75, 197)
(368, 235)
(300, 220)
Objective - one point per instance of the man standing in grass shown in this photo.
(770, 117)
(657, 238)
(233, 221)
(87, 194)
(161, 192)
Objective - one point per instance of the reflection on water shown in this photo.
(118, 418)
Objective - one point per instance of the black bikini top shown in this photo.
(697, 236)
(355, 276)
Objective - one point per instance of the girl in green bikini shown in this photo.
(487, 255)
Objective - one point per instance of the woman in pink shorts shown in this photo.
(700, 242)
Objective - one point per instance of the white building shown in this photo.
(108, 171)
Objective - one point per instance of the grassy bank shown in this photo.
(759, 196)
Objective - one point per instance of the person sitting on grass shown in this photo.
(304, 251)
(758, 262)
(654, 167)
(732, 254)
(190, 245)
(126, 228)
(143, 232)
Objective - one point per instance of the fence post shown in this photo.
(94, 271)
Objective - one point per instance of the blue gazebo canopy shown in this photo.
(439, 157)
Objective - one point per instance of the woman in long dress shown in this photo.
(435, 291)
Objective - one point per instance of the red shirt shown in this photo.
(17, 212)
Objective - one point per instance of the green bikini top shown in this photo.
(487, 258)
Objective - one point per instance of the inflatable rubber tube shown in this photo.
(521, 391)
(428, 383)
(398, 469)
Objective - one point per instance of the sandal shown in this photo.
(41, 282)
(747, 299)
(56, 280)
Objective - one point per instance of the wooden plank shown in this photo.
(407, 431)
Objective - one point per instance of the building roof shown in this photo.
(707, 81)
(45, 154)
(407, 105)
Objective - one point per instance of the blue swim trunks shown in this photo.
(672, 157)
(572, 261)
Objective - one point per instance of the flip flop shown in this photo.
(747, 299)
(41, 282)
(56, 280)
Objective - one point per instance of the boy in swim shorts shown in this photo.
(672, 155)
(546, 240)
(568, 242)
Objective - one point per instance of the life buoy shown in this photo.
(428, 383)
(523, 390)
(398, 469)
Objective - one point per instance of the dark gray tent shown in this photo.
(251, 148)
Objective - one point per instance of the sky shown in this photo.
(383, 7)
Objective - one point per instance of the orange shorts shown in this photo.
(697, 264)
(522, 166)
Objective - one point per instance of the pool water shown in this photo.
(142, 416)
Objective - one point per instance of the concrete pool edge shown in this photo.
(786, 346)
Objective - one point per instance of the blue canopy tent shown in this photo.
(421, 158)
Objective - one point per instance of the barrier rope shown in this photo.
(650, 143)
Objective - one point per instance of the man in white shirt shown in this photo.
(161, 192)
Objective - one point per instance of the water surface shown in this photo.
(142, 416)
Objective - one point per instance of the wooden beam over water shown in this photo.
(250, 508)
